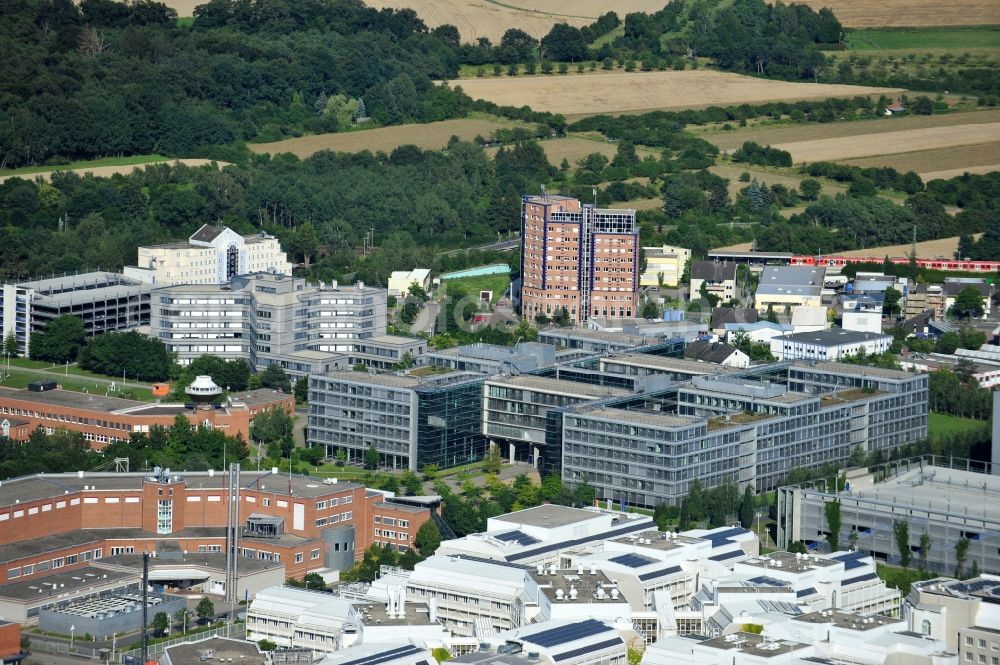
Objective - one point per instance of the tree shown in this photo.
(144, 358)
(61, 340)
(961, 555)
(266, 645)
(968, 304)
(650, 310)
(428, 538)
(493, 462)
(205, 610)
(810, 189)
(275, 377)
(305, 242)
(771, 316)
(833, 521)
(798, 547)
(10, 345)
(925, 549)
(417, 291)
(890, 305)
(664, 514)
(901, 532)
(564, 42)
(584, 494)
(342, 111)
(371, 459)
(302, 389)
(746, 510)
(431, 471)
(160, 623)
(411, 482)
(409, 312)
(685, 515)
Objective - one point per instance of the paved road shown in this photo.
(501, 246)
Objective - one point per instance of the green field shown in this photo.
(939, 424)
(76, 384)
(924, 38)
(85, 164)
(473, 285)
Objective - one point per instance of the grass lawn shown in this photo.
(473, 285)
(106, 161)
(76, 384)
(30, 364)
(939, 424)
(924, 38)
(901, 578)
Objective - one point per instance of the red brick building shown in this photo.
(103, 420)
(578, 257)
(61, 521)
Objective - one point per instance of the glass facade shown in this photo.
(449, 424)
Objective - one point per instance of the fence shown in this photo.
(229, 630)
(54, 646)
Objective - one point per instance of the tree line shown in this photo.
(180, 446)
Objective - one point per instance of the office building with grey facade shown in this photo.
(411, 421)
(753, 427)
(103, 301)
(515, 413)
(948, 504)
(486, 358)
(267, 318)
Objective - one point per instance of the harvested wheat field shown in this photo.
(624, 92)
(948, 174)
(889, 143)
(929, 249)
(108, 171)
(811, 131)
(733, 171)
(570, 148)
(909, 13)
(430, 136)
(637, 204)
(487, 18)
(941, 159)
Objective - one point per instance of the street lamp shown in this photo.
(71, 629)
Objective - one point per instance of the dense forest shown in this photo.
(415, 200)
(109, 78)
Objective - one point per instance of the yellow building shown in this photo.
(666, 261)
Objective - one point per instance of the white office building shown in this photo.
(267, 318)
(831, 344)
(212, 255)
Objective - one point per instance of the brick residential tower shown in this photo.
(577, 256)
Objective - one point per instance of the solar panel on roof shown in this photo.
(564, 634)
(972, 587)
(385, 656)
(725, 556)
(802, 593)
(764, 580)
(519, 537)
(660, 573)
(633, 560)
(860, 578)
(640, 525)
(590, 648)
(720, 537)
(852, 560)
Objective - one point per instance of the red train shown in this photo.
(946, 265)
